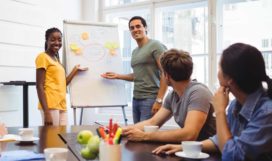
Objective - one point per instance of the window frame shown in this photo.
(151, 6)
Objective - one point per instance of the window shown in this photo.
(174, 19)
(248, 22)
(265, 43)
(186, 25)
(109, 3)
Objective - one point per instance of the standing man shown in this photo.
(149, 83)
(189, 103)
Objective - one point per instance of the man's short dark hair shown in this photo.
(178, 64)
(138, 18)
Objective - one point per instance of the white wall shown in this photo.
(22, 28)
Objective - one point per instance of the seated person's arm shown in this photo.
(192, 127)
(193, 124)
(208, 146)
(158, 119)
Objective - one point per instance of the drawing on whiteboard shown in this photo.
(91, 50)
(94, 52)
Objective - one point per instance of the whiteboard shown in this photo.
(96, 46)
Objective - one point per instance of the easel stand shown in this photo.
(81, 112)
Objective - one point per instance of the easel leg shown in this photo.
(74, 116)
(81, 115)
(124, 115)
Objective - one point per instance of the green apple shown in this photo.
(87, 154)
(93, 144)
(83, 136)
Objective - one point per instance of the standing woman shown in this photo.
(51, 80)
(245, 132)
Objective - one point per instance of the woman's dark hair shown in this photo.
(48, 32)
(138, 18)
(245, 65)
(178, 64)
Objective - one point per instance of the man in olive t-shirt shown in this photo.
(146, 78)
(149, 84)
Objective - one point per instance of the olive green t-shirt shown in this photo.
(145, 69)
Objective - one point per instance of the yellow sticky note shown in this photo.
(115, 45)
(108, 45)
(74, 47)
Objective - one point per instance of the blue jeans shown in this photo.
(142, 109)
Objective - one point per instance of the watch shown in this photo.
(159, 100)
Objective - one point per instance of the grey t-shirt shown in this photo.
(146, 70)
(196, 97)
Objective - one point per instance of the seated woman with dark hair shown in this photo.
(245, 132)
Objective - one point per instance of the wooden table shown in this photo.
(131, 151)
(62, 136)
(48, 138)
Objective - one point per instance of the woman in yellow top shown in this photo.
(51, 80)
